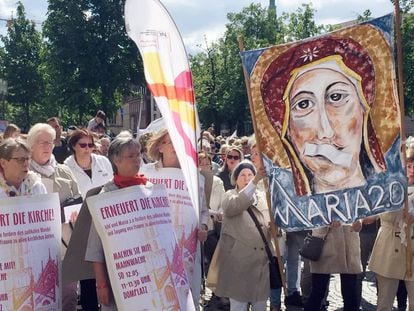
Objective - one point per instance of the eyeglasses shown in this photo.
(46, 143)
(84, 145)
(231, 157)
(21, 160)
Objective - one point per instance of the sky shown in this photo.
(197, 19)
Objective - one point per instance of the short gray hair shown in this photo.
(9, 145)
(38, 129)
(118, 145)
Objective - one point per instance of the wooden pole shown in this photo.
(400, 77)
(273, 227)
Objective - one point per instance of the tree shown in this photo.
(300, 24)
(405, 5)
(22, 61)
(90, 60)
(407, 32)
(66, 56)
(218, 77)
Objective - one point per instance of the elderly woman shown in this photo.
(15, 177)
(56, 178)
(240, 266)
(233, 156)
(125, 156)
(90, 171)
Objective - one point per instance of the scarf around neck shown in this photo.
(47, 169)
(123, 182)
(25, 187)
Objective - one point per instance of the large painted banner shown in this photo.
(329, 124)
(185, 219)
(144, 261)
(30, 241)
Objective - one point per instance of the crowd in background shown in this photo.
(236, 264)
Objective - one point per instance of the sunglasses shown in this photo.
(84, 145)
(231, 157)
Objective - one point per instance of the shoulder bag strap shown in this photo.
(256, 222)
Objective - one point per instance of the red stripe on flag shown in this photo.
(189, 149)
(172, 92)
(182, 89)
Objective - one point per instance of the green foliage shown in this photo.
(367, 15)
(21, 64)
(300, 24)
(217, 71)
(89, 57)
(407, 32)
(405, 5)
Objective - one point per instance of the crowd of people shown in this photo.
(234, 226)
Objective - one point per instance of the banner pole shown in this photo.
(273, 227)
(400, 76)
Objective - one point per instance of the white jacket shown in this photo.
(101, 173)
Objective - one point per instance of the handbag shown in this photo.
(312, 246)
(274, 271)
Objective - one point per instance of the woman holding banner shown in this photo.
(161, 150)
(15, 177)
(125, 157)
(240, 266)
(56, 178)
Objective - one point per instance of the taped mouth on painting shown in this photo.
(329, 152)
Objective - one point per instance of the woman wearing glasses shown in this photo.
(233, 157)
(56, 178)
(15, 177)
(90, 171)
(125, 156)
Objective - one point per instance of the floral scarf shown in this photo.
(25, 187)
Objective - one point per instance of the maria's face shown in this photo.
(325, 124)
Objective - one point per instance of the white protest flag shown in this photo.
(169, 78)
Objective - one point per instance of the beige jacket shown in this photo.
(240, 266)
(388, 254)
(65, 185)
(341, 252)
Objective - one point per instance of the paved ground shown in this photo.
(369, 295)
